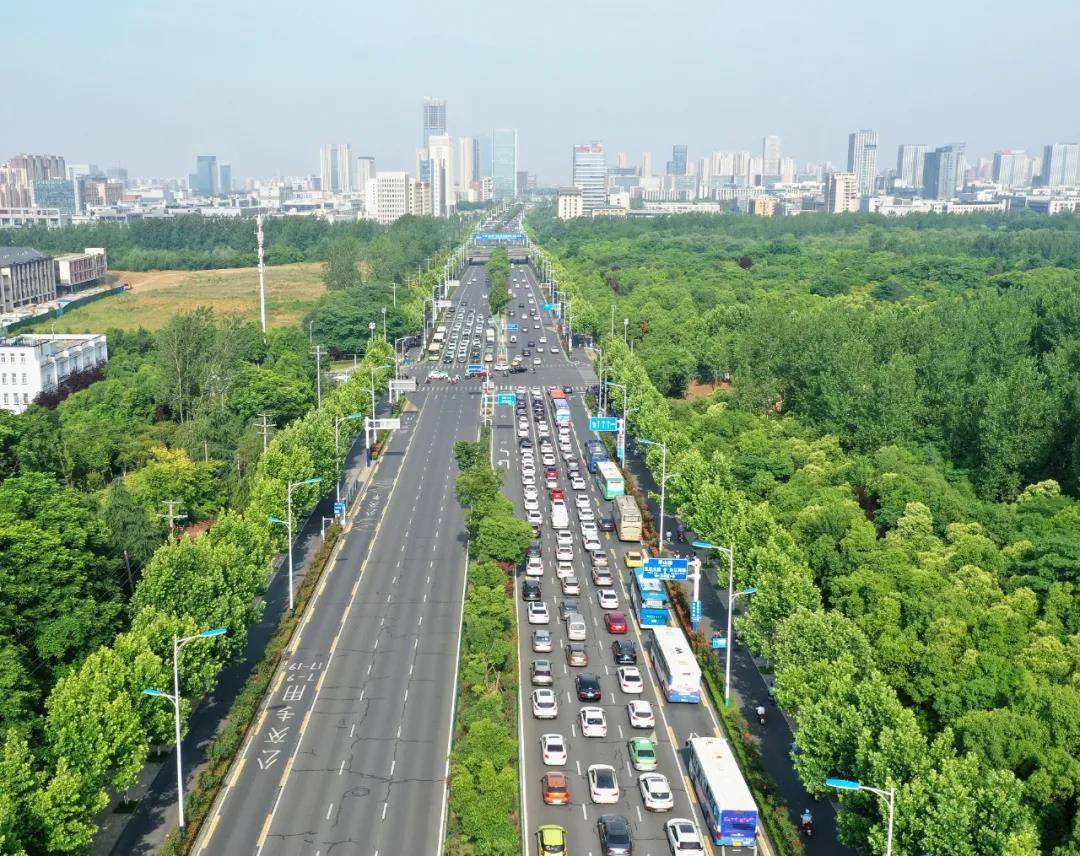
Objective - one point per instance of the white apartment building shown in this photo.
(31, 364)
(76, 269)
(441, 163)
(392, 196)
(841, 193)
(571, 203)
(27, 277)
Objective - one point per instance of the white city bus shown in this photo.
(675, 665)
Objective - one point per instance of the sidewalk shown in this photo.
(748, 685)
(144, 830)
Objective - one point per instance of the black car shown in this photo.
(524, 443)
(606, 523)
(569, 390)
(615, 837)
(530, 590)
(526, 353)
(521, 306)
(534, 549)
(624, 652)
(588, 687)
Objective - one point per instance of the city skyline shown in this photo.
(170, 118)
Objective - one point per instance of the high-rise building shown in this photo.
(590, 175)
(335, 168)
(770, 155)
(482, 165)
(204, 181)
(365, 171)
(942, 169)
(677, 164)
(441, 166)
(434, 119)
(225, 178)
(622, 160)
(1061, 165)
(787, 171)
(59, 193)
(862, 159)
(521, 183)
(504, 166)
(909, 165)
(1012, 168)
(392, 196)
(841, 193)
(569, 203)
(646, 165)
(466, 164)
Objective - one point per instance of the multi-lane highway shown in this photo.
(350, 752)
(673, 722)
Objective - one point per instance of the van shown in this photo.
(575, 627)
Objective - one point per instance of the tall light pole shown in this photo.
(384, 324)
(888, 795)
(393, 286)
(625, 328)
(288, 523)
(179, 643)
(398, 361)
(337, 449)
(373, 370)
(613, 320)
(663, 486)
(622, 422)
(262, 273)
(731, 594)
(600, 356)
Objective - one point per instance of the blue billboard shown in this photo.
(666, 569)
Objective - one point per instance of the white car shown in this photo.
(570, 585)
(564, 553)
(553, 749)
(578, 483)
(588, 527)
(531, 503)
(523, 431)
(655, 792)
(538, 612)
(603, 784)
(641, 714)
(536, 361)
(554, 350)
(546, 447)
(531, 491)
(551, 483)
(564, 570)
(607, 599)
(534, 516)
(582, 501)
(564, 537)
(534, 567)
(683, 837)
(548, 459)
(541, 641)
(544, 703)
(528, 480)
(542, 340)
(630, 680)
(528, 471)
(593, 722)
(592, 543)
(558, 503)
(587, 512)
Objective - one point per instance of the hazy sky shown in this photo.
(263, 83)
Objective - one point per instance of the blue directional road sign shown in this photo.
(695, 610)
(665, 569)
(339, 508)
(603, 423)
(473, 368)
(549, 306)
(489, 237)
(512, 327)
(506, 399)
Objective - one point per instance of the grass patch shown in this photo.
(155, 296)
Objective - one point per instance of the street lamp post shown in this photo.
(288, 524)
(174, 697)
(625, 328)
(887, 794)
(663, 486)
(622, 422)
(398, 361)
(613, 320)
(384, 324)
(600, 356)
(371, 331)
(373, 370)
(337, 450)
(732, 594)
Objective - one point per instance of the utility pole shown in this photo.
(262, 274)
(171, 514)
(318, 376)
(264, 427)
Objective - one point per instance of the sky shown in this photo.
(148, 85)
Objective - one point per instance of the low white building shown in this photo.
(571, 203)
(78, 269)
(31, 364)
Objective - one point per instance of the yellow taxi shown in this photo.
(634, 558)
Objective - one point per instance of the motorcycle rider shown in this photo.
(807, 822)
(761, 714)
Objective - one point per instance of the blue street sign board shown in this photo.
(506, 399)
(489, 237)
(512, 327)
(665, 569)
(339, 508)
(695, 610)
(473, 368)
(603, 423)
(549, 306)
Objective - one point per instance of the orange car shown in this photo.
(556, 789)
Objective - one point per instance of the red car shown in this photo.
(551, 473)
(615, 621)
(558, 493)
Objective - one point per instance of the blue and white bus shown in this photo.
(726, 802)
(675, 665)
(649, 598)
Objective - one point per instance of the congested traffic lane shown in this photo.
(580, 816)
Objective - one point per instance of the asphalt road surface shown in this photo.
(350, 753)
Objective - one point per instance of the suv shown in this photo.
(606, 523)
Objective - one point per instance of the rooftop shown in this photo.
(36, 340)
(19, 255)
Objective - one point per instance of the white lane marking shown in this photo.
(352, 730)
(330, 811)
(637, 808)
(384, 805)
(341, 769)
(393, 764)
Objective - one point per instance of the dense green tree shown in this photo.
(342, 269)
